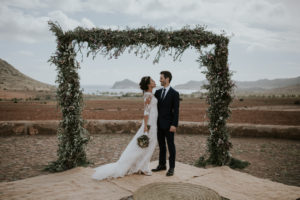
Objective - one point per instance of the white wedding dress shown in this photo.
(134, 159)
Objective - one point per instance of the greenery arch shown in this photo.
(71, 134)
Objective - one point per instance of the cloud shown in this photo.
(28, 4)
(25, 53)
(259, 24)
(68, 23)
(15, 24)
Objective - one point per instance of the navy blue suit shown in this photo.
(168, 113)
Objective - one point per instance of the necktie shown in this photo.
(163, 94)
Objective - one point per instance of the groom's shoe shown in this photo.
(159, 168)
(170, 172)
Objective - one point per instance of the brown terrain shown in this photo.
(13, 79)
(25, 156)
(274, 111)
(275, 159)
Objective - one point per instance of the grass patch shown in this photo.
(234, 163)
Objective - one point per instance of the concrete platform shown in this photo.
(77, 184)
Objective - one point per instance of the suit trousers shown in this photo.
(162, 135)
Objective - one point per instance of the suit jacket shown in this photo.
(168, 108)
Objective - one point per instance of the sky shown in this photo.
(264, 36)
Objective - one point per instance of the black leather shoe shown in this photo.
(159, 168)
(170, 172)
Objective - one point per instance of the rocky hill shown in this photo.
(261, 84)
(269, 84)
(191, 85)
(125, 84)
(13, 79)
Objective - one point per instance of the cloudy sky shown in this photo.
(265, 36)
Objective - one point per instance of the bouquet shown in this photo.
(143, 140)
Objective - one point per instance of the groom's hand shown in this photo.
(173, 129)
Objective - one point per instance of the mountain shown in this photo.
(262, 86)
(269, 84)
(287, 90)
(191, 85)
(12, 79)
(259, 85)
(125, 84)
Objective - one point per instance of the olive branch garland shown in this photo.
(141, 41)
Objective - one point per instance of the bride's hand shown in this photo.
(145, 129)
(148, 100)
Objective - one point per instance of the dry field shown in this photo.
(275, 111)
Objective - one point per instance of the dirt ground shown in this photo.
(275, 111)
(274, 159)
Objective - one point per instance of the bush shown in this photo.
(297, 102)
(240, 164)
(15, 100)
(201, 162)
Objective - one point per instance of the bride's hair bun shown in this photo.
(145, 81)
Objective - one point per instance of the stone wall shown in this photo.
(8, 128)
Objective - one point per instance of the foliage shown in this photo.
(141, 41)
(236, 163)
(233, 163)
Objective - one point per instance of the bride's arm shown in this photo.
(147, 101)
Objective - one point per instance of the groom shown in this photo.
(167, 121)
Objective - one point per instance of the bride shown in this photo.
(135, 159)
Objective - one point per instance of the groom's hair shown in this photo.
(167, 74)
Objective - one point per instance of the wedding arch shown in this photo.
(73, 137)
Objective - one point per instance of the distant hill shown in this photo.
(269, 84)
(191, 85)
(13, 79)
(125, 84)
(287, 90)
(262, 85)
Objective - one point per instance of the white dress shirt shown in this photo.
(167, 89)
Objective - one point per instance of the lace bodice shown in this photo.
(151, 108)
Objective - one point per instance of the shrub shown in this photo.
(48, 97)
(240, 164)
(15, 100)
